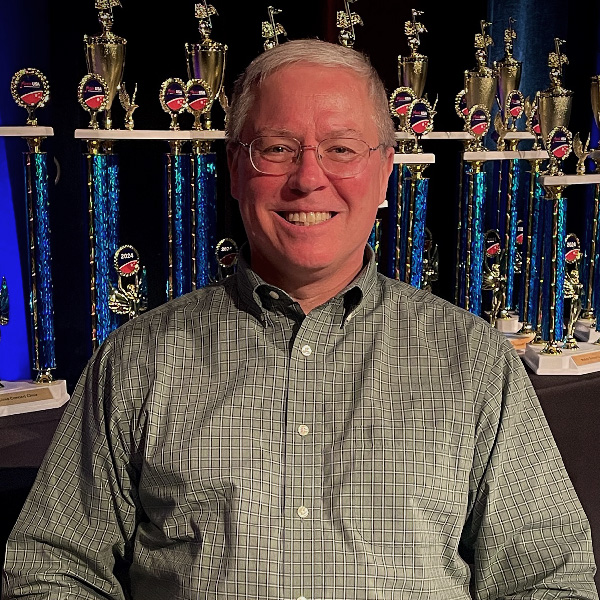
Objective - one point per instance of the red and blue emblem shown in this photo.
(175, 97)
(420, 118)
(560, 144)
(127, 261)
(515, 104)
(198, 97)
(31, 89)
(93, 94)
(572, 247)
(492, 243)
(402, 98)
(479, 122)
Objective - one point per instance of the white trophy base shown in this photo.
(510, 325)
(584, 360)
(585, 331)
(18, 397)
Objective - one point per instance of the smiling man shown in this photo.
(307, 429)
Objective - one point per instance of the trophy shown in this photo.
(431, 262)
(173, 99)
(554, 106)
(226, 252)
(572, 290)
(130, 297)
(4, 306)
(412, 70)
(493, 279)
(481, 82)
(271, 30)
(346, 20)
(206, 60)
(30, 90)
(105, 54)
(508, 71)
(92, 94)
(128, 104)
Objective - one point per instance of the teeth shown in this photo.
(307, 218)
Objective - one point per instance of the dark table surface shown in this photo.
(571, 405)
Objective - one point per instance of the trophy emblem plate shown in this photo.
(93, 96)
(400, 101)
(420, 119)
(30, 90)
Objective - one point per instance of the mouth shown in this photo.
(306, 219)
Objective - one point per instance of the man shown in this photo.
(307, 428)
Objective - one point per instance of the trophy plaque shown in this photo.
(93, 97)
(345, 22)
(130, 297)
(206, 60)
(198, 96)
(420, 121)
(478, 124)
(271, 30)
(572, 290)
(481, 82)
(412, 70)
(30, 90)
(105, 54)
(559, 144)
(173, 99)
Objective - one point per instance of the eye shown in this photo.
(277, 149)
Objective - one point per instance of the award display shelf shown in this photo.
(148, 134)
(26, 396)
(551, 357)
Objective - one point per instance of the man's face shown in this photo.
(310, 103)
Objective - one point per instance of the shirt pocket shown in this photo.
(405, 496)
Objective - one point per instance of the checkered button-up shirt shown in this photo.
(226, 446)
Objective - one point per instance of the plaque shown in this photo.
(30, 90)
(93, 97)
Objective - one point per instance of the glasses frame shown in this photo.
(302, 148)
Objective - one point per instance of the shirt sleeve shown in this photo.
(73, 538)
(526, 534)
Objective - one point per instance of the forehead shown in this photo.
(306, 96)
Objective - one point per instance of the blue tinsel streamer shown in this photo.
(462, 263)
(596, 282)
(392, 213)
(535, 256)
(587, 244)
(206, 217)
(405, 219)
(477, 243)
(373, 237)
(43, 259)
(416, 270)
(560, 270)
(181, 222)
(106, 225)
(547, 253)
(511, 250)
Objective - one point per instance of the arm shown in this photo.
(73, 537)
(526, 534)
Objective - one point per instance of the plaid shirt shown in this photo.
(224, 446)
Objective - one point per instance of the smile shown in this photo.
(306, 218)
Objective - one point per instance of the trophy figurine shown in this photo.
(554, 104)
(128, 104)
(105, 53)
(4, 306)
(346, 20)
(206, 60)
(412, 70)
(572, 290)
(271, 30)
(481, 82)
(508, 71)
(130, 297)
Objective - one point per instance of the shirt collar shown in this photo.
(261, 297)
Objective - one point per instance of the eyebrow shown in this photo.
(347, 132)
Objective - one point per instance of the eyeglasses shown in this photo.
(278, 155)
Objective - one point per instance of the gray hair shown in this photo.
(314, 52)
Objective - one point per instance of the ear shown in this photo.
(387, 167)
(233, 151)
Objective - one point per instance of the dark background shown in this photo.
(49, 36)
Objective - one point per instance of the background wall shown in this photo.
(48, 35)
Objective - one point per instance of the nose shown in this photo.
(308, 174)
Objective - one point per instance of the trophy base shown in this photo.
(586, 359)
(510, 325)
(585, 331)
(520, 341)
(18, 397)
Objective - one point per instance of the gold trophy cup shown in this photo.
(554, 104)
(105, 53)
(481, 83)
(412, 70)
(206, 60)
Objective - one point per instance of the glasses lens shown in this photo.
(344, 157)
(274, 155)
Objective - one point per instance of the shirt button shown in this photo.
(303, 430)
(274, 295)
(303, 512)
(306, 350)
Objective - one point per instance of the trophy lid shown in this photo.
(106, 18)
(483, 42)
(556, 61)
(412, 29)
